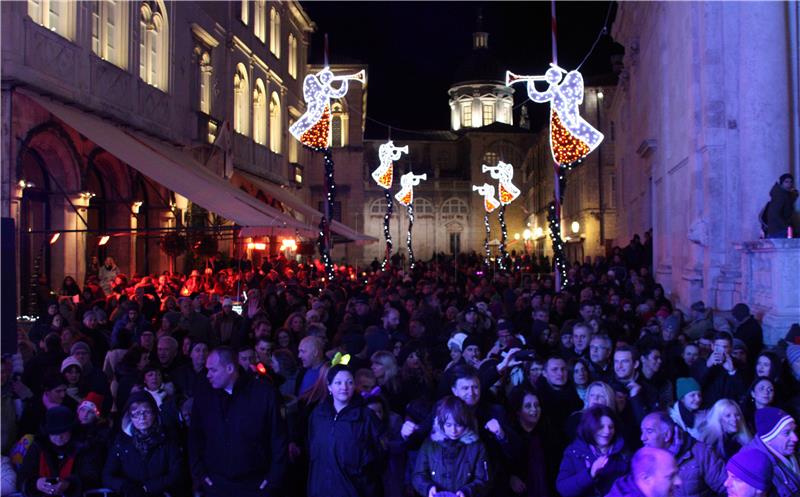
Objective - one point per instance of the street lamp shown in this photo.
(576, 226)
(600, 95)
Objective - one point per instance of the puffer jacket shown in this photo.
(452, 465)
(785, 482)
(700, 468)
(346, 454)
(625, 487)
(574, 476)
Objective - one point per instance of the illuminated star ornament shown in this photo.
(503, 172)
(406, 197)
(489, 205)
(383, 176)
(313, 131)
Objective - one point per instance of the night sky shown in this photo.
(413, 49)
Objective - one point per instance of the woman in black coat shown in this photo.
(143, 461)
(346, 454)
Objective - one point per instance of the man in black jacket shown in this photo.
(237, 438)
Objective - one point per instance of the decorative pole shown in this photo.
(508, 192)
(406, 197)
(383, 176)
(489, 204)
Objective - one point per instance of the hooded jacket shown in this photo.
(452, 465)
(780, 209)
(701, 470)
(574, 476)
(346, 454)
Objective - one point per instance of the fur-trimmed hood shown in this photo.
(437, 434)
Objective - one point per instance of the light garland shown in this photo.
(384, 176)
(572, 138)
(406, 197)
(489, 205)
(501, 217)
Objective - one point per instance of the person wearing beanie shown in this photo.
(776, 438)
(471, 350)
(54, 393)
(92, 378)
(72, 370)
(56, 463)
(143, 460)
(747, 329)
(749, 474)
(686, 411)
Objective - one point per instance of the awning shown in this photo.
(313, 216)
(178, 171)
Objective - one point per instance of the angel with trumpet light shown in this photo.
(406, 197)
(490, 203)
(383, 176)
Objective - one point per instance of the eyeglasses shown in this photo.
(144, 413)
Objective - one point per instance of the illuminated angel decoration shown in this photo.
(571, 137)
(490, 203)
(313, 127)
(503, 173)
(387, 153)
(407, 183)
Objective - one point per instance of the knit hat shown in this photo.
(793, 335)
(79, 346)
(752, 467)
(770, 421)
(740, 312)
(470, 341)
(93, 400)
(70, 361)
(793, 353)
(457, 341)
(227, 302)
(58, 420)
(687, 385)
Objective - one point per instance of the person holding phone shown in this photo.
(56, 463)
(720, 376)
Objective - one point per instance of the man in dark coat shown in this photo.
(781, 207)
(237, 438)
(748, 329)
(719, 375)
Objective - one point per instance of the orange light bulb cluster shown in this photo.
(566, 147)
(317, 135)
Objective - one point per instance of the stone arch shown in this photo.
(54, 146)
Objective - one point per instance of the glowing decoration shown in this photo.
(339, 358)
(406, 197)
(55, 237)
(576, 226)
(387, 153)
(103, 240)
(384, 176)
(571, 137)
(288, 244)
(503, 173)
(489, 204)
(313, 127)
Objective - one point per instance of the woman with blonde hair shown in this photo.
(724, 428)
(598, 393)
(387, 374)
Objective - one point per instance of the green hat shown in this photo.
(687, 385)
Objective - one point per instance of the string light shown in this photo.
(406, 197)
(489, 204)
(387, 235)
(503, 262)
(503, 172)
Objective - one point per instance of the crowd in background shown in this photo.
(453, 379)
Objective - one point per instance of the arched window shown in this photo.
(275, 128)
(260, 21)
(489, 158)
(241, 101)
(259, 113)
(274, 32)
(377, 207)
(292, 56)
(454, 207)
(423, 207)
(56, 15)
(339, 124)
(204, 70)
(154, 44)
(466, 114)
(109, 37)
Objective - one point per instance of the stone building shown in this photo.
(708, 106)
(123, 120)
(448, 214)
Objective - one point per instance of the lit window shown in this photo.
(241, 101)
(260, 21)
(108, 25)
(466, 115)
(298, 174)
(293, 146)
(292, 56)
(339, 122)
(275, 128)
(274, 32)
(488, 114)
(204, 71)
(259, 113)
(153, 44)
(245, 17)
(56, 15)
(490, 158)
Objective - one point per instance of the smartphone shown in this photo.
(237, 308)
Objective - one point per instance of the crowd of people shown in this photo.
(451, 380)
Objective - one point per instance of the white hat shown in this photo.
(456, 341)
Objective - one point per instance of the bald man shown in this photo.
(654, 473)
(311, 355)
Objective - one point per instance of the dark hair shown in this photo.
(723, 335)
(627, 348)
(452, 406)
(285, 360)
(590, 423)
(774, 364)
(226, 355)
(758, 380)
(133, 356)
(647, 346)
(462, 372)
(553, 358)
(785, 177)
(517, 397)
(52, 342)
(332, 372)
(587, 303)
